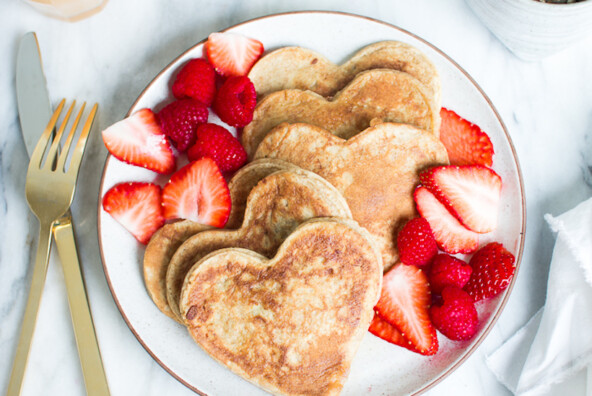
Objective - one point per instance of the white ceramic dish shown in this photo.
(532, 29)
(379, 367)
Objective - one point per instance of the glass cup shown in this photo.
(69, 10)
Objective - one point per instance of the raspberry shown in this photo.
(235, 101)
(493, 268)
(457, 317)
(416, 243)
(217, 143)
(448, 271)
(197, 80)
(180, 119)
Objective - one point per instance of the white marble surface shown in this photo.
(111, 57)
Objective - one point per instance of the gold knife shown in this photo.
(34, 112)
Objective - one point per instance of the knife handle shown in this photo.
(28, 327)
(86, 339)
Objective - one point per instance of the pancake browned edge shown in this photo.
(376, 170)
(167, 240)
(379, 94)
(305, 69)
(290, 325)
(275, 207)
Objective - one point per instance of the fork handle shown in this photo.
(19, 364)
(86, 339)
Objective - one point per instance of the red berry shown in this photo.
(416, 243)
(457, 317)
(217, 143)
(235, 101)
(232, 54)
(197, 192)
(197, 80)
(180, 119)
(383, 329)
(138, 140)
(404, 302)
(137, 207)
(451, 236)
(448, 271)
(465, 142)
(493, 268)
(471, 193)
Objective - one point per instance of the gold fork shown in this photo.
(49, 190)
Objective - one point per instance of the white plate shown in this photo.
(379, 368)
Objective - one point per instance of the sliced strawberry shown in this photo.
(471, 193)
(232, 54)
(451, 236)
(465, 142)
(404, 303)
(137, 207)
(383, 329)
(197, 192)
(138, 140)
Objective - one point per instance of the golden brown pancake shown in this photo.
(292, 324)
(159, 251)
(275, 207)
(379, 94)
(167, 240)
(301, 68)
(376, 170)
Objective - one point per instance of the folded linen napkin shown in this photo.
(557, 342)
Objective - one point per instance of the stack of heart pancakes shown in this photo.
(283, 295)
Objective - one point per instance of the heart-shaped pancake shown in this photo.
(376, 170)
(379, 94)
(302, 68)
(292, 324)
(167, 240)
(275, 207)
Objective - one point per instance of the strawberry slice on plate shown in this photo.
(465, 142)
(232, 54)
(197, 192)
(383, 329)
(138, 140)
(451, 236)
(404, 302)
(137, 206)
(471, 193)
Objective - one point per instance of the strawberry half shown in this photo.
(465, 142)
(197, 192)
(138, 140)
(404, 303)
(232, 54)
(471, 193)
(383, 329)
(136, 206)
(451, 236)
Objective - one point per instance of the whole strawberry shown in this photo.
(235, 101)
(217, 143)
(493, 268)
(447, 270)
(416, 243)
(456, 317)
(197, 80)
(179, 121)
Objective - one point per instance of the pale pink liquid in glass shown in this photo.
(71, 10)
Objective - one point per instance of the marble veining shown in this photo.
(111, 57)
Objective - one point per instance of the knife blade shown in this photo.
(35, 110)
(34, 106)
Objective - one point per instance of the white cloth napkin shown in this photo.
(557, 342)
